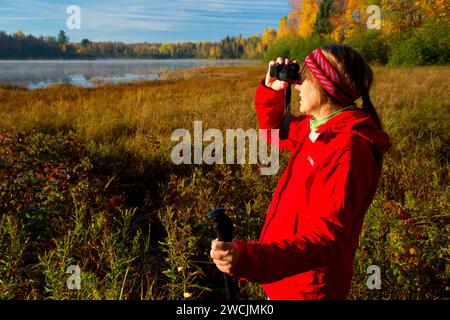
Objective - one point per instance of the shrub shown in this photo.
(429, 44)
(369, 44)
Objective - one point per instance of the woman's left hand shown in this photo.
(224, 255)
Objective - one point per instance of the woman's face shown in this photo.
(309, 97)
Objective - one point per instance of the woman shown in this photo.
(307, 245)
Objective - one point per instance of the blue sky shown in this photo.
(139, 20)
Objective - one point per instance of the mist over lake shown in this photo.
(38, 74)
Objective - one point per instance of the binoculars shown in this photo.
(286, 72)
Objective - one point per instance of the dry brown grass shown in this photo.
(221, 97)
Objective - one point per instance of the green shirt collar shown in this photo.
(316, 123)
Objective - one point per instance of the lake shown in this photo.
(37, 74)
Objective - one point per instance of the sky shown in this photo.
(132, 21)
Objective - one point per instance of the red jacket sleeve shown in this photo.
(270, 108)
(335, 220)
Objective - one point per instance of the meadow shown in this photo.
(86, 179)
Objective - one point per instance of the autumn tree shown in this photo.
(307, 17)
(412, 31)
(348, 18)
(402, 16)
(269, 36)
(283, 29)
(294, 15)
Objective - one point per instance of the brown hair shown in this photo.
(356, 71)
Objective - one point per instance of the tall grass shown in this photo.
(86, 179)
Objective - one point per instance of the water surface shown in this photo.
(37, 74)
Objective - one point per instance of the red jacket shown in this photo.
(308, 241)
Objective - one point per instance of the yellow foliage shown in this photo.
(269, 36)
(307, 18)
(283, 30)
(294, 15)
(403, 15)
(349, 17)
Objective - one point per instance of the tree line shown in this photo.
(410, 32)
(21, 46)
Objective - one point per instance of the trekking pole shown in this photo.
(224, 230)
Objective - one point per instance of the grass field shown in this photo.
(86, 179)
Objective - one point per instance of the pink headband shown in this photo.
(333, 83)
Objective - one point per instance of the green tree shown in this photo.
(62, 38)
(85, 43)
(323, 24)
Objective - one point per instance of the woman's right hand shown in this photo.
(272, 82)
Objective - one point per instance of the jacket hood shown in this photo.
(357, 122)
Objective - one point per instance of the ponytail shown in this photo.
(353, 72)
(369, 107)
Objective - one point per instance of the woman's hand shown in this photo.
(224, 255)
(274, 83)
